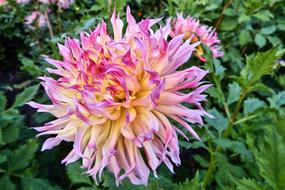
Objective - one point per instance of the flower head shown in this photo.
(115, 97)
(192, 28)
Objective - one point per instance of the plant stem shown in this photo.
(49, 25)
(227, 132)
(221, 18)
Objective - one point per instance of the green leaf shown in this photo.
(261, 88)
(75, 174)
(234, 93)
(6, 184)
(219, 69)
(259, 65)
(25, 96)
(3, 101)
(22, 156)
(228, 25)
(270, 160)
(214, 93)
(235, 146)
(277, 100)
(194, 184)
(36, 184)
(87, 188)
(252, 104)
(3, 158)
(29, 66)
(268, 30)
(220, 123)
(244, 37)
(260, 40)
(249, 184)
(264, 15)
(227, 172)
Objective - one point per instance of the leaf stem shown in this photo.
(227, 132)
(49, 25)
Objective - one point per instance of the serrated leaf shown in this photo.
(25, 96)
(227, 172)
(3, 101)
(220, 123)
(257, 66)
(252, 104)
(244, 37)
(6, 184)
(194, 184)
(11, 132)
(270, 160)
(22, 156)
(277, 100)
(249, 184)
(213, 92)
(234, 93)
(36, 184)
(235, 146)
(260, 40)
(75, 174)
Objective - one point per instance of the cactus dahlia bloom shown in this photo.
(192, 28)
(115, 96)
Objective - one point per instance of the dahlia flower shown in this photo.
(116, 96)
(192, 28)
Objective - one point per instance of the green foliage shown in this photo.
(76, 175)
(194, 184)
(6, 184)
(21, 157)
(248, 184)
(270, 159)
(35, 184)
(257, 66)
(25, 96)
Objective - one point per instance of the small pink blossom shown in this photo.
(192, 29)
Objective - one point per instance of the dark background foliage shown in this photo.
(242, 148)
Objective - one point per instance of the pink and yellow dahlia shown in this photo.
(192, 28)
(116, 96)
